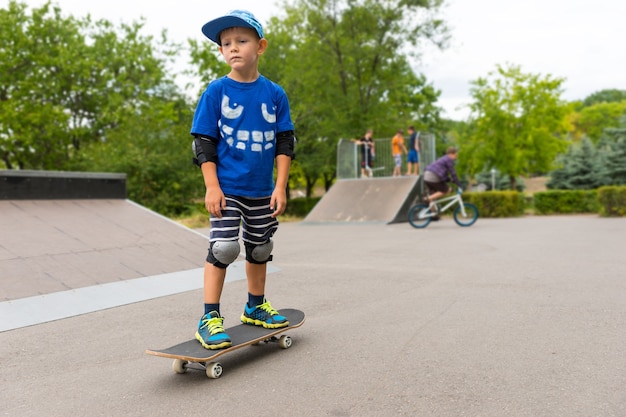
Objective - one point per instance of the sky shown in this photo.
(580, 41)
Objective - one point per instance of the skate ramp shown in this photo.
(377, 200)
(71, 243)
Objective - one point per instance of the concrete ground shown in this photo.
(509, 317)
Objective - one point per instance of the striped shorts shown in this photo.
(252, 214)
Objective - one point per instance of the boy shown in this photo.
(413, 159)
(438, 174)
(397, 149)
(240, 127)
(367, 153)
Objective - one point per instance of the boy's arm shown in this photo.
(214, 199)
(285, 152)
(204, 148)
(278, 202)
(452, 172)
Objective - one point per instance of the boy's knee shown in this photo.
(259, 254)
(223, 253)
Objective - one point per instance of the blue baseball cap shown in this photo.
(234, 18)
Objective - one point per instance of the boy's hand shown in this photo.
(278, 202)
(214, 201)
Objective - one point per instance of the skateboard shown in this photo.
(191, 352)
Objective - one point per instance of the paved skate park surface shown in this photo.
(509, 317)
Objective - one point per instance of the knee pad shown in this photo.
(259, 254)
(223, 253)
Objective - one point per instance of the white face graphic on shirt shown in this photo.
(254, 140)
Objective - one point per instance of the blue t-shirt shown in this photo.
(245, 118)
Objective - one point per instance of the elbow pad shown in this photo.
(204, 150)
(286, 144)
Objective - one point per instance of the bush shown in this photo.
(566, 201)
(612, 201)
(301, 206)
(497, 203)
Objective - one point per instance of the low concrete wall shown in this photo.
(54, 185)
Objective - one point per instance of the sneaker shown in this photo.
(263, 315)
(211, 332)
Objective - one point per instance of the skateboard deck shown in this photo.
(192, 352)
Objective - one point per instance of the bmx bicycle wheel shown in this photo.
(419, 216)
(471, 215)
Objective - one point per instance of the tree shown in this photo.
(581, 169)
(605, 96)
(29, 47)
(351, 77)
(588, 166)
(518, 123)
(593, 119)
(613, 147)
(153, 148)
(67, 82)
(90, 96)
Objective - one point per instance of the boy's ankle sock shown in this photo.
(255, 300)
(211, 307)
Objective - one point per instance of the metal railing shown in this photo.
(349, 157)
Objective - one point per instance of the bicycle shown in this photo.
(465, 214)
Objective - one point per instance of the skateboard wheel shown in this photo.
(179, 366)
(285, 342)
(214, 370)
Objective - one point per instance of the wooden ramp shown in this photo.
(376, 200)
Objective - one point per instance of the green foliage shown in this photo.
(300, 207)
(208, 62)
(497, 203)
(581, 169)
(613, 147)
(612, 201)
(588, 166)
(154, 149)
(592, 120)
(565, 202)
(448, 133)
(605, 96)
(518, 123)
(89, 96)
(67, 82)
